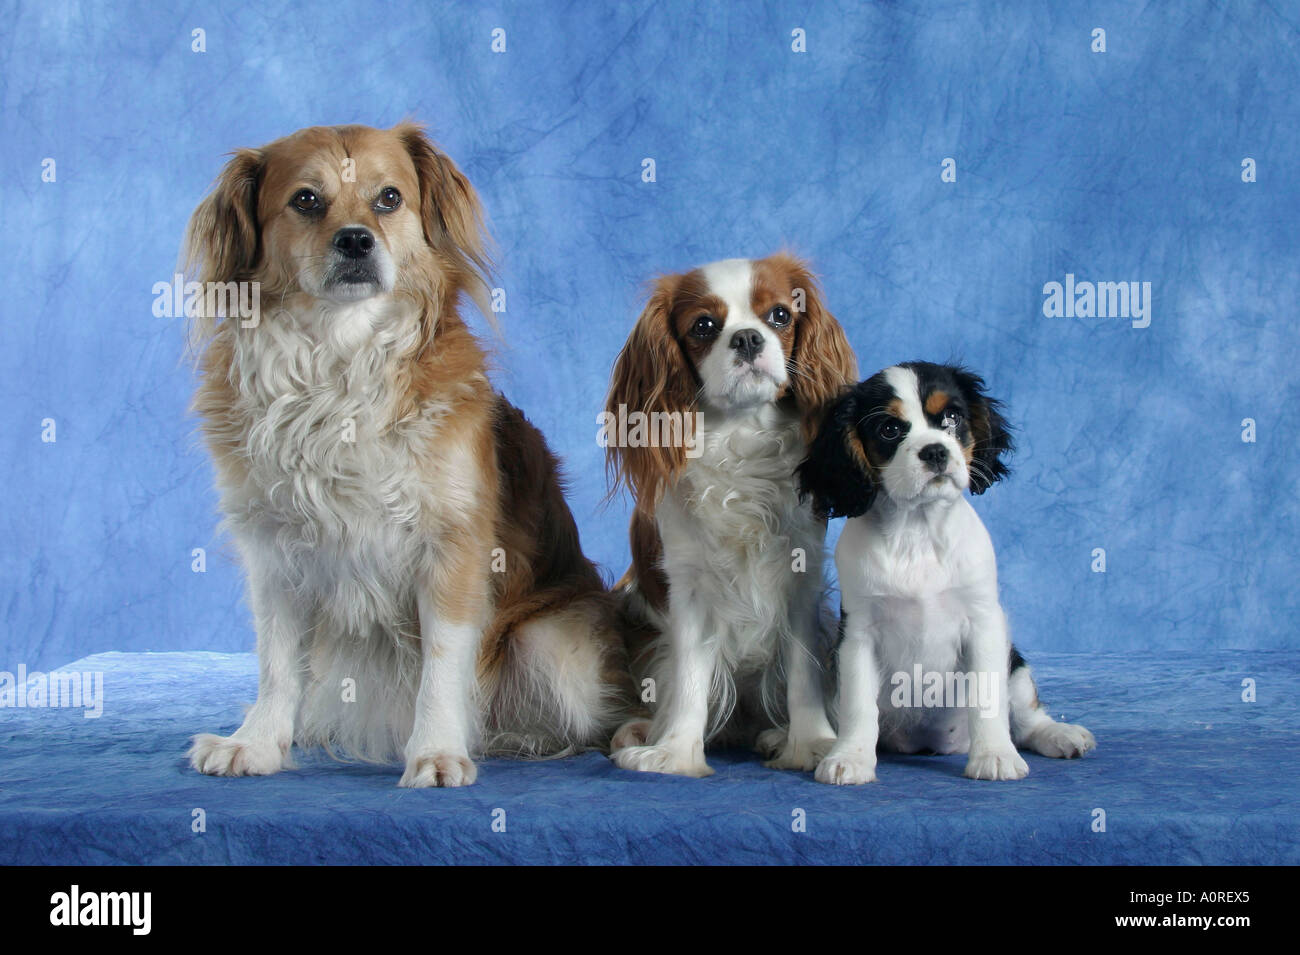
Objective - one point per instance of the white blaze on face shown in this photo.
(906, 476)
(730, 382)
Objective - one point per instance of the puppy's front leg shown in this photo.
(261, 745)
(676, 741)
(992, 753)
(437, 754)
(852, 760)
(810, 735)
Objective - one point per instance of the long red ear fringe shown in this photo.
(221, 239)
(651, 375)
(451, 215)
(823, 360)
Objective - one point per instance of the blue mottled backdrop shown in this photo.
(1122, 165)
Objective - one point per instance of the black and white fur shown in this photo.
(918, 575)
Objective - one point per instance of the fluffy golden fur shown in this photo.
(416, 577)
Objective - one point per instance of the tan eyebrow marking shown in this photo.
(853, 444)
(937, 401)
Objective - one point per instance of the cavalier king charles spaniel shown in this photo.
(415, 575)
(925, 663)
(735, 361)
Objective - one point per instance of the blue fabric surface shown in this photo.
(1123, 165)
(1186, 772)
(1116, 166)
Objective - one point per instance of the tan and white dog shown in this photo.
(415, 574)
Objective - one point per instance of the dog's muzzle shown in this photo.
(355, 247)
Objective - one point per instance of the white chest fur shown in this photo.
(913, 580)
(331, 487)
(738, 545)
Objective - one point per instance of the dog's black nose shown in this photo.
(747, 342)
(354, 242)
(935, 455)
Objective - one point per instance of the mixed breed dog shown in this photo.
(416, 576)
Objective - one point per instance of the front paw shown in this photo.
(663, 759)
(847, 769)
(439, 769)
(632, 733)
(230, 756)
(1060, 740)
(996, 764)
(800, 755)
(770, 742)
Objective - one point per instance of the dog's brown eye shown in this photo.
(889, 431)
(779, 317)
(706, 326)
(305, 200)
(389, 199)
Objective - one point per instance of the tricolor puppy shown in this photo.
(415, 574)
(919, 580)
(726, 560)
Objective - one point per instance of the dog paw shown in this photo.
(847, 769)
(439, 769)
(228, 756)
(1060, 740)
(770, 742)
(800, 755)
(997, 764)
(661, 759)
(631, 733)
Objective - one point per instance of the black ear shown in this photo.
(989, 431)
(836, 473)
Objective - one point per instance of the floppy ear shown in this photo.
(450, 212)
(651, 375)
(221, 241)
(823, 360)
(836, 474)
(990, 433)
